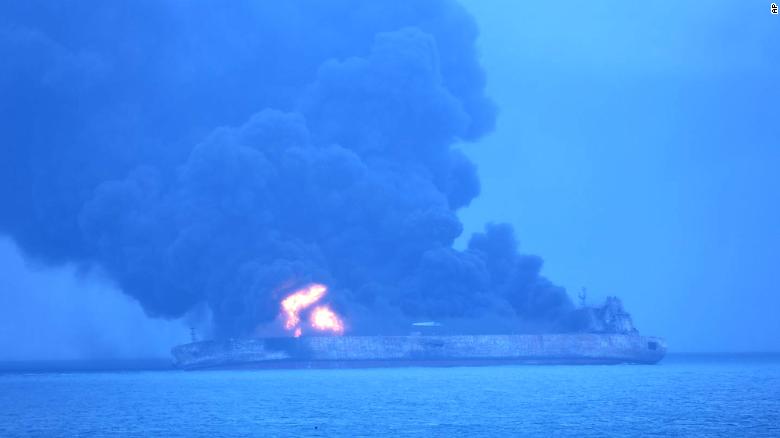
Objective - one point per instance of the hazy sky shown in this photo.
(636, 151)
(61, 313)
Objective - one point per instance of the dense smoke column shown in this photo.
(222, 155)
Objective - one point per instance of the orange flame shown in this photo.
(322, 318)
(299, 300)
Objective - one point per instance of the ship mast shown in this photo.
(583, 295)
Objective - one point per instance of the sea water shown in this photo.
(682, 396)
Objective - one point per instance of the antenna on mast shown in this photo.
(583, 296)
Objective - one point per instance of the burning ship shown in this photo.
(610, 338)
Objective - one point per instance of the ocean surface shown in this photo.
(729, 396)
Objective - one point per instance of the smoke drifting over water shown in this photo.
(224, 154)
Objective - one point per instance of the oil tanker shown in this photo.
(611, 339)
(420, 350)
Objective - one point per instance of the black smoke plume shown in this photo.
(219, 154)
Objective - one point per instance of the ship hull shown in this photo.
(387, 351)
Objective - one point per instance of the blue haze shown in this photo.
(170, 164)
(635, 151)
(638, 151)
